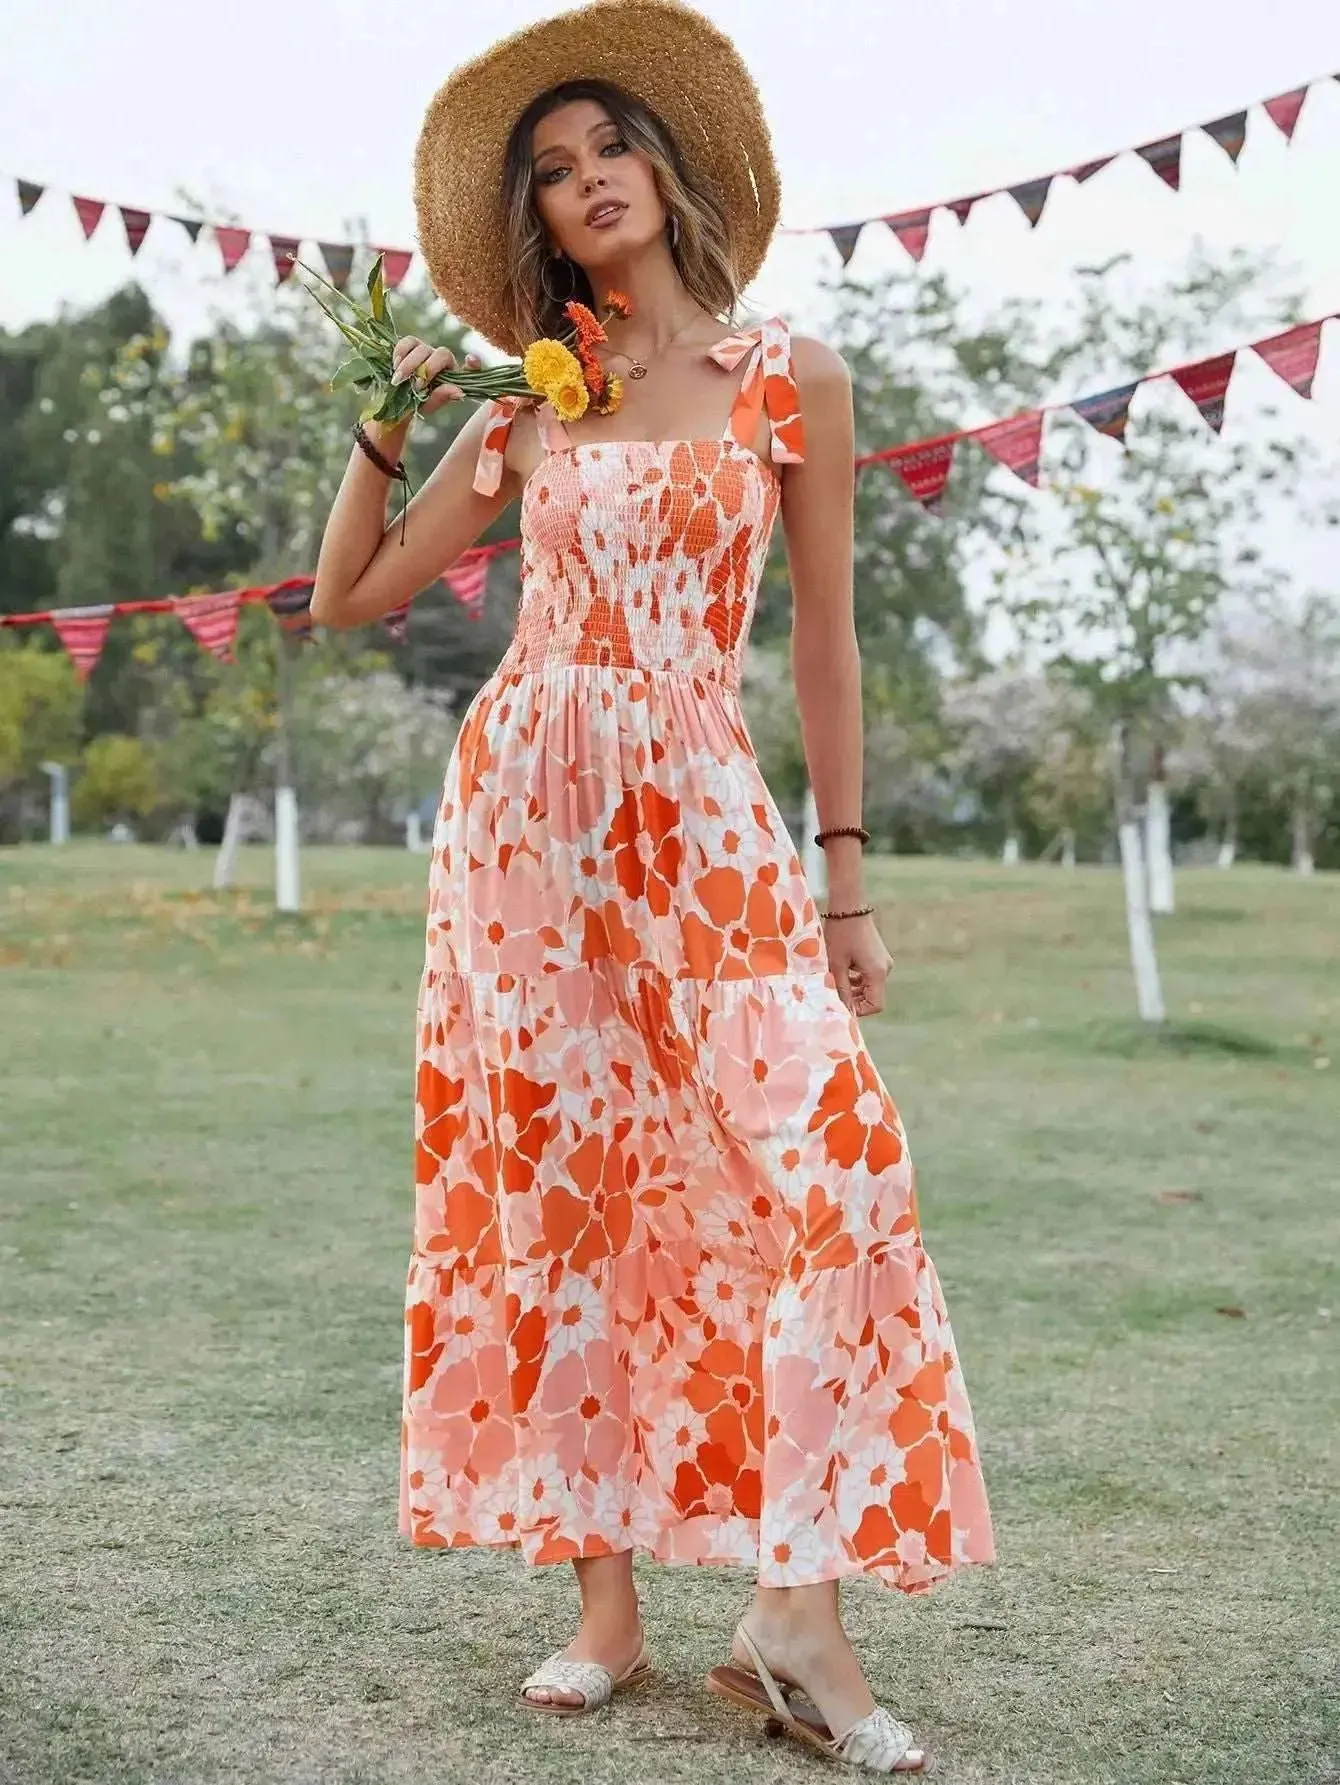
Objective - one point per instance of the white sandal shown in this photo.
(877, 1742)
(596, 1684)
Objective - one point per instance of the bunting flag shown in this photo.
(1016, 443)
(1206, 383)
(925, 469)
(397, 620)
(911, 227)
(137, 227)
(924, 465)
(1032, 196)
(1109, 411)
(845, 237)
(1165, 158)
(1294, 355)
(285, 252)
(1164, 155)
(82, 631)
(1230, 134)
(233, 244)
(1283, 110)
(467, 579)
(89, 212)
(212, 621)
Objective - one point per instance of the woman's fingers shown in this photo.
(445, 393)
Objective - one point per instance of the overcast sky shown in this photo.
(301, 116)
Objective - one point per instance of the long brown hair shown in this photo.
(702, 248)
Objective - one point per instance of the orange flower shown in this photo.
(588, 329)
(593, 372)
(618, 305)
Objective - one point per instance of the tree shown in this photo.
(40, 707)
(118, 782)
(1119, 580)
(999, 722)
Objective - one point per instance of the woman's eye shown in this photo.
(616, 144)
(551, 175)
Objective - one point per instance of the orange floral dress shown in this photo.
(667, 1288)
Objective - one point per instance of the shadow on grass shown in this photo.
(1130, 1039)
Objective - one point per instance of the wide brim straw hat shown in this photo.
(662, 52)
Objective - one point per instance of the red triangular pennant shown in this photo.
(925, 471)
(962, 207)
(137, 227)
(1017, 443)
(844, 237)
(1165, 157)
(192, 226)
(912, 229)
(1284, 108)
(395, 264)
(396, 621)
(28, 195)
(1206, 383)
(89, 211)
(291, 605)
(285, 251)
(1294, 355)
(339, 259)
(1087, 169)
(1031, 196)
(82, 630)
(467, 578)
(1230, 133)
(233, 244)
(212, 621)
(1108, 411)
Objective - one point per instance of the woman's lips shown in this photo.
(605, 216)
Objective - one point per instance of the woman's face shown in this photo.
(595, 196)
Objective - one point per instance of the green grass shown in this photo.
(206, 1219)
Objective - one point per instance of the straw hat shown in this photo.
(663, 53)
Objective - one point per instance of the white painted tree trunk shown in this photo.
(59, 777)
(287, 891)
(413, 831)
(225, 862)
(1158, 849)
(1303, 862)
(1228, 846)
(1009, 855)
(1068, 849)
(1144, 960)
(812, 856)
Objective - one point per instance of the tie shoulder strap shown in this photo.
(493, 447)
(769, 383)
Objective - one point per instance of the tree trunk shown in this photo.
(225, 862)
(812, 855)
(1158, 849)
(288, 892)
(1303, 862)
(1228, 842)
(1009, 855)
(1139, 930)
(1068, 849)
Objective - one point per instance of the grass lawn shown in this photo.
(206, 1208)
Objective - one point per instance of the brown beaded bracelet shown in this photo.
(843, 830)
(833, 916)
(397, 472)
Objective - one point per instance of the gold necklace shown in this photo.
(637, 368)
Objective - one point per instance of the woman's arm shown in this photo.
(817, 503)
(362, 570)
(817, 499)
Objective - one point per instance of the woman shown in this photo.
(667, 1290)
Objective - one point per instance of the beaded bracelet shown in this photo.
(843, 830)
(397, 472)
(833, 916)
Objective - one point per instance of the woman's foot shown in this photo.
(610, 1633)
(798, 1632)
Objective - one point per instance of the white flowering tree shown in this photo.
(999, 723)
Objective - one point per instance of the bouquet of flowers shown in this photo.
(565, 372)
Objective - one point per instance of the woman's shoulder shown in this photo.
(814, 363)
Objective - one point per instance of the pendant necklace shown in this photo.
(637, 368)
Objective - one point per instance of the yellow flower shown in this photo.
(569, 399)
(548, 363)
(613, 397)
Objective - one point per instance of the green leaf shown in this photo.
(353, 371)
(377, 289)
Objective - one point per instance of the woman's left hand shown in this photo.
(859, 962)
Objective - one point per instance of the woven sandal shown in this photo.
(878, 1742)
(596, 1684)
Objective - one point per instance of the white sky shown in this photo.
(301, 116)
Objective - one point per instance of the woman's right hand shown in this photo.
(412, 358)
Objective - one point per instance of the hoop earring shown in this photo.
(571, 292)
(674, 233)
